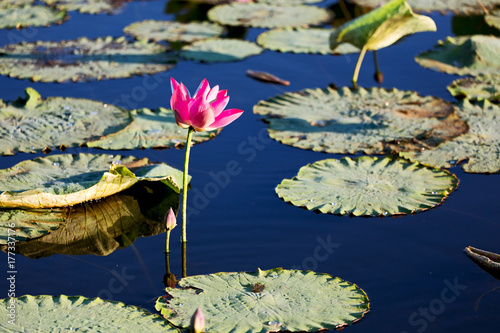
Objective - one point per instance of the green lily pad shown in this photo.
(262, 301)
(83, 59)
(477, 88)
(267, 16)
(15, 3)
(464, 55)
(466, 7)
(66, 180)
(150, 129)
(488, 261)
(174, 31)
(479, 148)
(89, 6)
(367, 186)
(220, 50)
(372, 121)
(493, 19)
(35, 125)
(62, 313)
(21, 225)
(299, 40)
(29, 16)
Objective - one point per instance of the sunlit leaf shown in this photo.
(267, 16)
(493, 18)
(83, 59)
(372, 121)
(477, 88)
(466, 7)
(62, 313)
(15, 3)
(220, 50)
(89, 6)
(488, 261)
(262, 301)
(29, 16)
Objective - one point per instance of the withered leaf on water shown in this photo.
(267, 77)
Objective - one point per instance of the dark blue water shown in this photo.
(413, 268)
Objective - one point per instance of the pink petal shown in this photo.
(212, 95)
(219, 104)
(183, 123)
(201, 114)
(179, 88)
(225, 118)
(203, 89)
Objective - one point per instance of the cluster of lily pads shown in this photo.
(94, 200)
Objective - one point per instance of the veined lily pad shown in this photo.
(488, 261)
(62, 313)
(33, 124)
(480, 146)
(173, 31)
(367, 186)
(83, 59)
(21, 225)
(299, 40)
(466, 7)
(26, 16)
(66, 180)
(464, 55)
(262, 301)
(15, 3)
(478, 88)
(372, 121)
(101, 227)
(267, 16)
(220, 50)
(150, 129)
(89, 6)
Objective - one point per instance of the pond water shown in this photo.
(412, 268)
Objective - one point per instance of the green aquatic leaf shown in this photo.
(45, 313)
(478, 149)
(21, 225)
(268, 16)
(464, 7)
(150, 129)
(464, 55)
(493, 18)
(477, 88)
(373, 121)
(15, 3)
(65, 180)
(89, 6)
(174, 31)
(34, 125)
(262, 301)
(299, 40)
(83, 59)
(220, 50)
(29, 16)
(367, 186)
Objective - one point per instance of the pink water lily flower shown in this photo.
(205, 110)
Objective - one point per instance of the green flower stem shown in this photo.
(358, 67)
(185, 183)
(167, 242)
(184, 260)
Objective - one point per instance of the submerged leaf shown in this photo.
(373, 121)
(488, 261)
(220, 50)
(367, 186)
(482, 87)
(62, 313)
(83, 59)
(29, 16)
(262, 301)
(466, 7)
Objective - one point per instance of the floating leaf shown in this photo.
(464, 55)
(488, 261)
(174, 31)
(101, 227)
(480, 146)
(288, 2)
(83, 59)
(493, 19)
(15, 3)
(466, 7)
(372, 121)
(29, 16)
(66, 180)
(267, 16)
(220, 50)
(89, 6)
(289, 300)
(266, 77)
(367, 186)
(150, 129)
(299, 40)
(62, 313)
(21, 225)
(33, 124)
(477, 88)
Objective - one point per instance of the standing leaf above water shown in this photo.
(464, 7)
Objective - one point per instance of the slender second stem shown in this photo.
(358, 66)
(167, 242)
(185, 183)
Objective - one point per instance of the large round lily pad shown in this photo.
(478, 149)
(83, 59)
(262, 301)
(299, 40)
(466, 7)
(367, 186)
(268, 16)
(174, 31)
(28, 16)
(33, 124)
(89, 6)
(62, 313)
(372, 121)
(150, 129)
(477, 88)
(464, 55)
(220, 50)
(15, 3)
(66, 180)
